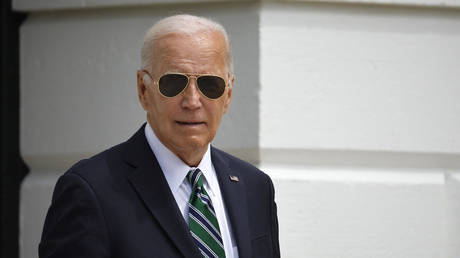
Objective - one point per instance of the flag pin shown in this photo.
(234, 178)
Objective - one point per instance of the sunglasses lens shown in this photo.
(172, 84)
(211, 86)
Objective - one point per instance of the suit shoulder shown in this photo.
(246, 168)
(99, 165)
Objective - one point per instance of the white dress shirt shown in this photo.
(175, 171)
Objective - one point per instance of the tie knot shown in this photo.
(195, 177)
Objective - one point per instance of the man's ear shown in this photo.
(142, 88)
(229, 93)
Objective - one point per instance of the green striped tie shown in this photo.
(203, 222)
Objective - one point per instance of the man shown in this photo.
(166, 192)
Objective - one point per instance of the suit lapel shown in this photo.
(149, 182)
(235, 199)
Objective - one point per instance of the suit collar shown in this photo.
(174, 169)
(235, 199)
(149, 182)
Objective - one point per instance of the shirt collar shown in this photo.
(174, 169)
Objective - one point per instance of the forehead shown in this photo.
(201, 52)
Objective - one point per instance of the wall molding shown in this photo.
(54, 5)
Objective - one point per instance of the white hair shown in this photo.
(181, 24)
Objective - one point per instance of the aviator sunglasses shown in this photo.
(172, 84)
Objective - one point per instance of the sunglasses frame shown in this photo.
(187, 75)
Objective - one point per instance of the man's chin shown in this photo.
(193, 143)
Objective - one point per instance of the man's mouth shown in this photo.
(189, 123)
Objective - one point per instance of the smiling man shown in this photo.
(166, 192)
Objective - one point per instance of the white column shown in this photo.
(358, 126)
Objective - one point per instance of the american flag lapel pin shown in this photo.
(234, 178)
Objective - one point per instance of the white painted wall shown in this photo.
(352, 109)
(360, 78)
(359, 127)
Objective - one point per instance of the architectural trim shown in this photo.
(41, 5)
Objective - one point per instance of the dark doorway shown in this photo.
(13, 169)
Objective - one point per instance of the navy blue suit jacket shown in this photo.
(118, 204)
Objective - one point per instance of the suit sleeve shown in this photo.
(75, 225)
(274, 220)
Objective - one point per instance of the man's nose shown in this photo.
(191, 95)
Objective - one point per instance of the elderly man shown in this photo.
(166, 192)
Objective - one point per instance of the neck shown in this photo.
(189, 154)
(192, 158)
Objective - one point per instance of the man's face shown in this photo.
(186, 123)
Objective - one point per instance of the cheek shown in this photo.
(217, 114)
(164, 110)
(154, 107)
